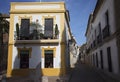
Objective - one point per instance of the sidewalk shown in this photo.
(109, 77)
(84, 73)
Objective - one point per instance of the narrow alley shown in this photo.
(84, 73)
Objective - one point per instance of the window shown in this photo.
(106, 30)
(48, 54)
(24, 54)
(99, 37)
(99, 28)
(94, 43)
(24, 58)
(109, 59)
(24, 31)
(96, 59)
(48, 58)
(107, 17)
(95, 35)
(93, 60)
(48, 28)
(101, 58)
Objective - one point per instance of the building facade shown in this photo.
(74, 52)
(4, 30)
(39, 34)
(82, 53)
(103, 36)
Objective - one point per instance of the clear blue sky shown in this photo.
(79, 13)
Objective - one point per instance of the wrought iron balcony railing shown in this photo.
(36, 35)
(106, 32)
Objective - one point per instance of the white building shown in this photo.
(82, 53)
(39, 34)
(74, 52)
(102, 36)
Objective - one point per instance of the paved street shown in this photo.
(83, 73)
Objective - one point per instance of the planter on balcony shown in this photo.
(17, 30)
(35, 31)
(56, 32)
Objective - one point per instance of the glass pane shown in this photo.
(49, 27)
(48, 51)
(48, 58)
(24, 31)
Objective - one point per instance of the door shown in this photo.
(109, 59)
(48, 28)
(48, 58)
(24, 59)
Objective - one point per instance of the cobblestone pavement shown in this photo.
(84, 73)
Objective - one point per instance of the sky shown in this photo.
(79, 13)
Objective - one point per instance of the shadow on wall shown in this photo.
(3, 58)
(25, 74)
(65, 58)
(63, 67)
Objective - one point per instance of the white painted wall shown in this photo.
(57, 58)
(108, 5)
(48, 6)
(67, 38)
(100, 18)
(39, 18)
(35, 58)
(36, 50)
(114, 55)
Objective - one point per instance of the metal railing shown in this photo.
(36, 34)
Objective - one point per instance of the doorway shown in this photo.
(48, 58)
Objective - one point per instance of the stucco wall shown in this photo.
(108, 5)
(114, 55)
(100, 18)
(39, 17)
(36, 49)
(35, 58)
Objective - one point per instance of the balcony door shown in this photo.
(48, 28)
(24, 31)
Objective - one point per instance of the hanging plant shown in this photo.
(17, 30)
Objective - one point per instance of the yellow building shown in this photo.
(39, 34)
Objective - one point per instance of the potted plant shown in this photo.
(56, 31)
(35, 27)
(17, 30)
(41, 35)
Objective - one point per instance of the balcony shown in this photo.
(36, 36)
(94, 43)
(106, 32)
(99, 38)
(35, 33)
